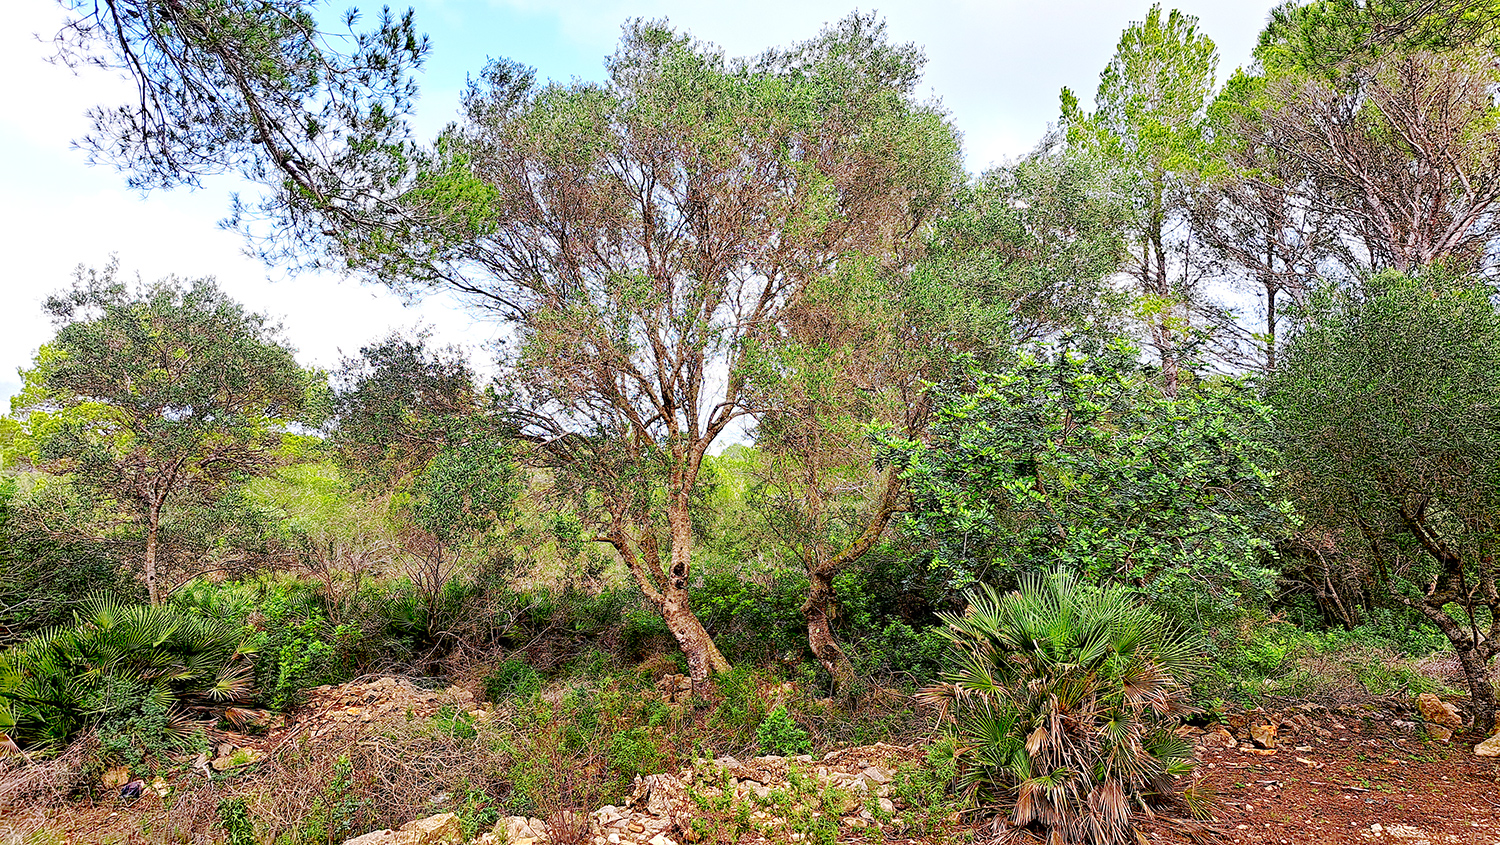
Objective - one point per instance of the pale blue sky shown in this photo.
(997, 66)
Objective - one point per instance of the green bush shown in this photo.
(234, 817)
(740, 707)
(633, 751)
(512, 678)
(46, 573)
(137, 729)
(1065, 698)
(779, 734)
(1254, 658)
(753, 619)
(128, 665)
(298, 650)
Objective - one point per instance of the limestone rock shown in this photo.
(1488, 748)
(1439, 712)
(1219, 738)
(1263, 735)
(517, 829)
(235, 757)
(116, 777)
(442, 829)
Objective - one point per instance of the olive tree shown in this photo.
(1387, 417)
(163, 395)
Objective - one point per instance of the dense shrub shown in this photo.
(1065, 698)
(122, 665)
(512, 678)
(49, 563)
(778, 733)
(754, 616)
(297, 650)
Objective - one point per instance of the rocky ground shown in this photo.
(1382, 771)
(1303, 774)
(1354, 774)
(758, 800)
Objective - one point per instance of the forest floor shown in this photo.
(1370, 783)
(1337, 776)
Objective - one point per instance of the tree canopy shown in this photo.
(1387, 418)
(158, 396)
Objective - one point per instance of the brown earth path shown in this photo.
(1371, 783)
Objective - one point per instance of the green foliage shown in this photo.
(1387, 415)
(1148, 126)
(319, 127)
(1330, 38)
(740, 707)
(928, 790)
(126, 666)
(1265, 657)
(633, 752)
(512, 678)
(297, 650)
(756, 613)
(455, 722)
(137, 729)
(51, 556)
(159, 399)
(1036, 240)
(779, 734)
(1065, 698)
(1075, 457)
(234, 817)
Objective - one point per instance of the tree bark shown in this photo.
(703, 656)
(818, 609)
(153, 525)
(666, 587)
(1481, 691)
(1474, 648)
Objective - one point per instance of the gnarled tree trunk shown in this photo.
(819, 608)
(667, 587)
(1470, 587)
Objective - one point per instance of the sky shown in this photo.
(997, 67)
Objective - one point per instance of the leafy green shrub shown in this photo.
(633, 751)
(779, 734)
(642, 633)
(1256, 657)
(1402, 630)
(110, 663)
(1065, 699)
(740, 707)
(926, 790)
(512, 678)
(755, 618)
(136, 728)
(234, 817)
(298, 650)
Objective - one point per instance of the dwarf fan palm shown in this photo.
(64, 679)
(1065, 698)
